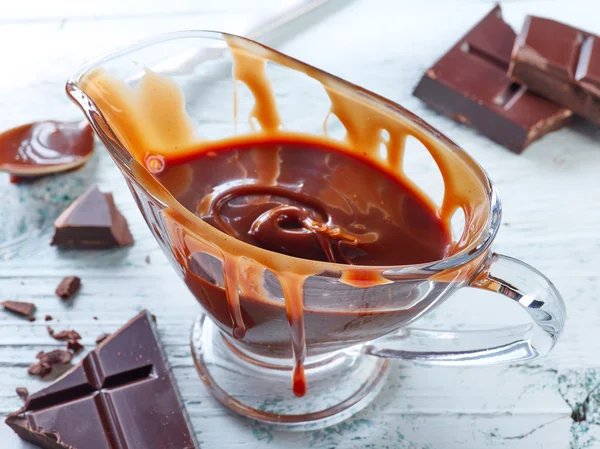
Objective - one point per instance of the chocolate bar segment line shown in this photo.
(470, 85)
(561, 63)
(121, 396)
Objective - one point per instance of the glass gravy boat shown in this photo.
(266, 317)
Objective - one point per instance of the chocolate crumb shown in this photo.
(22, 392)
(95, 318)
(31, 318)
(25, 309)
(50, 331)
(147, 259)
(101, 338)
(74, 346)
(55, 357)
(153, 318)
(68, 287)
(66, 335)
(40, 368)
(48, 318)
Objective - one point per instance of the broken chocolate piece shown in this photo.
(121, 396)
(22, 392)
(66, 335)
(68, 287)
(25, 309)
(40, 368)
(560, 63)
(92, 221)
(469, 84)
(55, 357)
(48, 318)
(101, 338)
(74, 346)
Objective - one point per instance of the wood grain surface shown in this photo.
(550, 195)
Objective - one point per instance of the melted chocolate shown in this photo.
(293, 194)
(325, 205)
(46, 147)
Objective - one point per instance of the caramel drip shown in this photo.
(231, 275)
(250, 280)
(365, 117)
(395, 146)
(150, 120)
(250, 69)
(268, 166)
(363, 278)
(292, 286)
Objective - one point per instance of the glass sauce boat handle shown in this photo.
(515, 280)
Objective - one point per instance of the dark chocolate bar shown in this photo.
(121, 396)
(92, 221)
(469, 84)
(560, 63)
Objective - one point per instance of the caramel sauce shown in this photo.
(150, 121)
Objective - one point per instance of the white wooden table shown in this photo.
(551, 198)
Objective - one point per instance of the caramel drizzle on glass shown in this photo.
(151, 122)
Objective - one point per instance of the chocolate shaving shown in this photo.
(22, 392)
(68, 287)
(40, 368)
(55, 357)
(66, 335)
(74, 346)
(101, 338)
(25, 309)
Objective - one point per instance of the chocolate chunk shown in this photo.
(55, 357)
(22, 392)
(40, 368)
(66, 335)
(469, 84)
(25, 309)
(68, 287)
(561, 63)
(122, 393)
(74, 346)
(101, 338)
(48, 318)
(92, 221)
